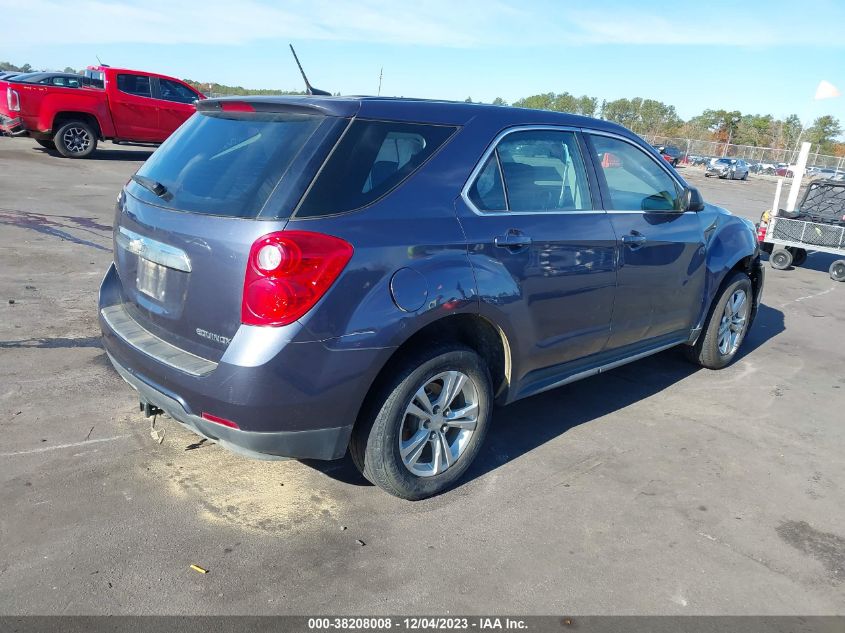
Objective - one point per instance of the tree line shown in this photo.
(643, 116)
(649, 116)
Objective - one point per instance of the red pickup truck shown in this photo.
(114, 103)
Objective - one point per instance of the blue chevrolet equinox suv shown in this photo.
(299, 276)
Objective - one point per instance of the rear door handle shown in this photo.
(634, 240)
(512, 241)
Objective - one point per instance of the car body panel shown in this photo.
(571, 304)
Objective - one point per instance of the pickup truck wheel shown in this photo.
(46, 144)
(780, 259)
(726, 325)
(426, 425)
(75, 139)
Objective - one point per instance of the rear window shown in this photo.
(372, 159)
(225, 163)
(93, 78)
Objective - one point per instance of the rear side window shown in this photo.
(225, 163)
(543, 171)
(372, 158)
(138, 85)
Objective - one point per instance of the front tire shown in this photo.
(837, 270)
(75, 139)
(726, 325)
(426, 425)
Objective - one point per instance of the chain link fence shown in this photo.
(694, 151)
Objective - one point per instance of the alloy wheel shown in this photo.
(76, 139)
(438, 423)
(732, 325)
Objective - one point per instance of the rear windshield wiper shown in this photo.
(153, 185)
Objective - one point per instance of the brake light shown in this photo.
(219, 420)
(13, 100)
(761, 232)
(236, 106)
(287, 273)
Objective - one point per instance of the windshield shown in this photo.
(224, 163)
(724, 161)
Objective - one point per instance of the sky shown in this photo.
(756, 56)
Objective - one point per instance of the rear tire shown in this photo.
(745, 176)
(75, 139)
(394, 442)
(780, 259)
(46, 144)
(837, 270)
(726, 325)
(799, 255)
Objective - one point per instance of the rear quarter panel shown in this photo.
(40, 105)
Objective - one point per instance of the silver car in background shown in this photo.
(730, 168)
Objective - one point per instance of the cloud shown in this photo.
(708, 24)
(430, 23)
(438, 23)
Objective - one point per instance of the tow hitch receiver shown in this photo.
(150, 410)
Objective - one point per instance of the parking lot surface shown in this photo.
(655, 488)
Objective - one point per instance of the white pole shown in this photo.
(798, 176)
(777, 197)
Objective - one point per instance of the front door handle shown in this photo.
(634, 240)
(512, 240)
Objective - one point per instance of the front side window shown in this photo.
(174, 91)
(533, 171)
(138, 85)
(634, 180)
(372, 159)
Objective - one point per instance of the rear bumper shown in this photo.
(290, 396)
(329, 443)
(12, 126)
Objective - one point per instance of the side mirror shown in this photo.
(693, 200)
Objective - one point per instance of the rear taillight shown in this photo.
(761, 232)
(287, 273)
(13, 100)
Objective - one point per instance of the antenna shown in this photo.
(309, 89)
(380, 75)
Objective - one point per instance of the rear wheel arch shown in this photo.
(64, 117)
(469, 330)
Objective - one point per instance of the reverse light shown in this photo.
(13, 100)
(287, 273)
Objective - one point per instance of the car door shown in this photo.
(175, 103)
(133, 109)
(660, 281)
(541, 248)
